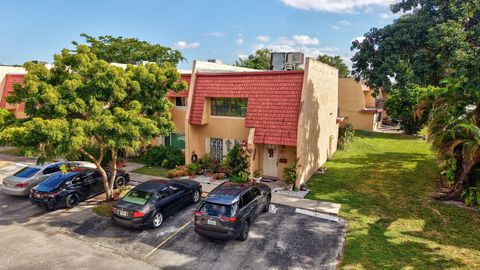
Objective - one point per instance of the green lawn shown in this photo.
(384, 183)
(152, 170)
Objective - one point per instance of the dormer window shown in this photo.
(180, 102)
(233, 107)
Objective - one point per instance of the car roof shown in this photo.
(227, 193)
(153, 185)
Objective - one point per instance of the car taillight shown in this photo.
(138, 214)
(21, 185)
(52, 194)
(198, 213)
(228, 219)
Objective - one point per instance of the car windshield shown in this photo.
(137, 197)
(26, 172)
(214, 209)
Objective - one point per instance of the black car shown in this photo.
(149, 203)
(229, 210)
(70, 188)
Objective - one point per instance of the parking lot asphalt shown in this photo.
(79, 239)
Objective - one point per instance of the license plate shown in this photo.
(123, 213)
(212, 222)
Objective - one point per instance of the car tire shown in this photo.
(196, 196)
(120, 181)
(244, 231)
(267, 205)
(157, 220)
(72, 200)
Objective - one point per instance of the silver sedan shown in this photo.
(28, 177)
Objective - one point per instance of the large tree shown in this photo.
(84, 105)
(259, 60)
(337, 62)
(128, 50)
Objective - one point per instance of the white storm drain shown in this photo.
(272, 209)
(316, 214)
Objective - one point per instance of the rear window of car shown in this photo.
(137, 197)
(214, 209)
(26, 172)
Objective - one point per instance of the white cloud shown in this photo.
(334, 27)
(185, 45)
(239, 41)
(359, 39)
(345, 22)
(242, 56)
(305, 40)
(263, 38)
(216, 34)
(336, 6)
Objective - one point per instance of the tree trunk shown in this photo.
(456, 191)
(113, 168)
(98, 164)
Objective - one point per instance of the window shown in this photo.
(175, 189)
(137, 197)
(248, 197)
(180, 102)
(51, 169)
(217, 210)
(175, 140)
(235, 107)
(26, 172)
(216, 148)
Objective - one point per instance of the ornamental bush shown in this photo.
(345, 136)
(164, 156)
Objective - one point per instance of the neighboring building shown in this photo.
(356, 103)
(286, 115)
(9, 76)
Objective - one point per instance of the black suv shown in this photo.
(229, 210)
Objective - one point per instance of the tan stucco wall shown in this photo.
(317, 127)
(352, 100)
(178, 117)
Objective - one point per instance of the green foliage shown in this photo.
(164, 156)
(242, 177)
(290, 173)
(208, 163)
(345, 136)
(402, 104)
(6, 118)
(128, 50)
(471, 196)
(259, 60)
(337, 62)
(193, 168)
(238, 160)
(448, 168)
(84, 103)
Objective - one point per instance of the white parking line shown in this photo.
(316, 214)
(168, 238)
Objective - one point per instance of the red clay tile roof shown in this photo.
(186, 78)
(10, 80)
(273, 105)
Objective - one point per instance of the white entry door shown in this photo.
(270, 161)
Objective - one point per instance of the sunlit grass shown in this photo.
(385, 183)
(152, 170)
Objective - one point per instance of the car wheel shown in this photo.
(196, 195)
(245, 229)
(267, 204)
(120, 181)
(71, 200)
(157, 220)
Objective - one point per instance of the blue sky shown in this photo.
(201, 29)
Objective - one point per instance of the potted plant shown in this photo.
(256, 176)
(290, 175)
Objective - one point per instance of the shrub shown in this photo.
(290, 173)
(218, 176)
(471, 196)
(207, 163)
(345, 136)
(178, 172)
(240, 178)
(238, 161)
(164, 156)
(192, 168)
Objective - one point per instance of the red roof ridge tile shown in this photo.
(250, 73)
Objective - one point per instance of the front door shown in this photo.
(270, 161)
(216, 148)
